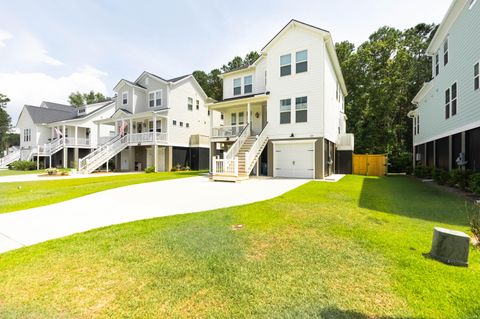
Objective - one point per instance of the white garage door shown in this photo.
(294, 160)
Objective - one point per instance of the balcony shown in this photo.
(227, 131)
(77, 142)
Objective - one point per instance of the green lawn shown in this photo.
(8, 172)
(352, 249)
(22, 195)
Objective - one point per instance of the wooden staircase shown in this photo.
(247, 145)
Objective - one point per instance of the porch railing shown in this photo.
(9, 158)
(49, 148)
(227, 131)
(255, 151)
(221, 166)
(79, 141)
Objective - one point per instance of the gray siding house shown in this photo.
(446, 121)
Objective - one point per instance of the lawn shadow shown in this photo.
(410, 197)
(335, 313)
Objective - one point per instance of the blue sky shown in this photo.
(50, 48)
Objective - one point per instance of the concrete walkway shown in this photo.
(135, 202)
(36, 177)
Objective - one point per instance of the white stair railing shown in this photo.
(9, 158)
(221, 166)
(229, 163)
(256, 150)
(103, 154)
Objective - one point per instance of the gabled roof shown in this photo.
(43, 115)
(103, 106)
(178, 78)
(442, 31)
(173, 80)
(58, 106)
(129, 83)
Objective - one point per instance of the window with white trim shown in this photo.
(233, 119)
(301, 109)
(174, 122)
(190, 104)
(418, 124)
(187, 125)
(155, 98)
(285, 65)
(445, 52)
(197, 104)
(285, 111)
(27, 135)
(437, 64)
(447, 103)
(237, 86)
(476, 76)
(247, 84)
(125, 98)
(301, 59)
(181, 124)
(454, 99)
(241, 118)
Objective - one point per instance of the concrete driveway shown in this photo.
(136, 202)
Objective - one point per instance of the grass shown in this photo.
(353, 249)
(8, 172)
(22, 195)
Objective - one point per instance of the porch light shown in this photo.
(257, 115)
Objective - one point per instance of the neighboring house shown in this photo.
(446, 122)
(284, 114)
(56, 135)
(157, 123)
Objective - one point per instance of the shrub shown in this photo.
(51, 171)
(474, 221)
(400, 163)
(423, 171)
(441, 176)
(23, 166)
(474, 183)
(150, 169)
(460, 178)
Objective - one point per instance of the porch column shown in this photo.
(76, 134)
(50, 158)
(248, 115)
(155, 147)
(75, 157)
(65, 151)
(130, 127)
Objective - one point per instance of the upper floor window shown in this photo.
(447, 104)
(247, 84)
(285, 111)
(190, 104)
(155, 98)
(418, 124)
(445, 52)
(454, 99)
(125, 98)
(174, 122)
(476, 76)
(301, 58)
(285, 65)
(301, 109)
(237, 86)
(27, 135)
(233, 119)
(197, 104)
(437, 64)
(181, 124)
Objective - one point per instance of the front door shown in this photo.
(256, 117)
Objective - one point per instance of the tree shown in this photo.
(382, 76)
(78, 99)
(4, 121)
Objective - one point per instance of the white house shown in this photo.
(157, 123)
(284, 114)
(446, 121)
(56, 134)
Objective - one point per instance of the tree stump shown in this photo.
(450, 247)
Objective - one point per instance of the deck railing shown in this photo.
(255, 151)
(227, 131)
(221, 166)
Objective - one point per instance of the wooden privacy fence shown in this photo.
(369, 164)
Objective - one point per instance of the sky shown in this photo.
(49, 49)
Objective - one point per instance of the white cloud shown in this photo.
(33, 88)
(24, 50)
(4, 36)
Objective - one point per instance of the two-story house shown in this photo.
(56, 135)
(157, 123)
(446, 121)
(284, 114)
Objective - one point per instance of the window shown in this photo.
(181, 124)
(445, 52)
(285, 111)
(476, 76)
(187, 125)
(447, 103)
(247, 84)
(454, 99)
(301, 58)
(208, 112)
(27, 135)
(174, 122)
(418, 124)
(233, 119)
(222, 116)
(437, 64)
(301, 109)
(237, 86)
(285, 65)
(155, 98)
(197, 105)
(124, 98)
(241, 118)
(190, 104)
